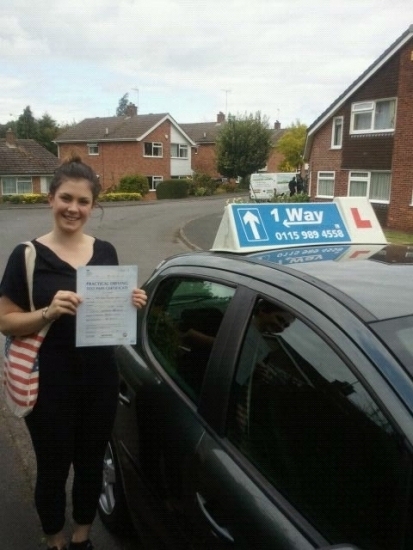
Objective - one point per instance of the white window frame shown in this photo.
(93, 149)
(17, 181)
(372, 108)
(156, 148)
(182, 150)
(365, 177)
(45, 184)
(337, 132)
(153, 182)
(325, 176)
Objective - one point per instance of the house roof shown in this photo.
(202, 132)
(207, 132)
(116, 128)
(366, 75)
(26, 157)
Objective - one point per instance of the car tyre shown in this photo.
(112, 505)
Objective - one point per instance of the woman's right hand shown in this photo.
(63, 302)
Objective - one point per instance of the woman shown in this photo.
(73, 417)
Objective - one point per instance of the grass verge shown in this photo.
(398, 237)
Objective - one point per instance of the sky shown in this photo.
(287, 59)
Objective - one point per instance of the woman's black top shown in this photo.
(60, 362)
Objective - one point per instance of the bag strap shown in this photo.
(30, 258)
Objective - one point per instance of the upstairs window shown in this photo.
(153, 149)
(92, 149)
(337, 133)
(373, 116)
(179, 150)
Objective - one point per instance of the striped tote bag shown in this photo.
(21, 364)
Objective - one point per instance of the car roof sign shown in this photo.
(253, 227)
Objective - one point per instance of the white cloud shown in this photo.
(287, 58)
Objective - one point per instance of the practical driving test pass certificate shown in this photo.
(106, 316)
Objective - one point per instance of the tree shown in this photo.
(47, 131)
(44, 130)
(123, 105)
(291, 145)
(243, 145)
(27, 125)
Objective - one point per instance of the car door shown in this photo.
(310, 453)
(158, 426)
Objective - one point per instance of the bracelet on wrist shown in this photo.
(44, 315)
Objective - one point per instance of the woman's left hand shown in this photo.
(139, 298)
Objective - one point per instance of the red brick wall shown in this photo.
(121, 158)
(400, 211)
(323, 158)
(204, 160)
(274, 161)
(36, 184)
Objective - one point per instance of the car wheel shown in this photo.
(112, 505)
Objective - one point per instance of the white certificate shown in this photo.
(106, 317)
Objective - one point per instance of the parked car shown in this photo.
(268, 402)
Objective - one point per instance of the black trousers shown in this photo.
(70, 424)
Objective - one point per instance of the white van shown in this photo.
(264, 185)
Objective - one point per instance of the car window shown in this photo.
(183, 320)
(397, 334)
(306, 422)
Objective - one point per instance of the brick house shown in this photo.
(25, 166)
(204, 134)
(153, 145)
(362, 144)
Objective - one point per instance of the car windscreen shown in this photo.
(398, 336)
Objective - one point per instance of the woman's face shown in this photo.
(72, 204)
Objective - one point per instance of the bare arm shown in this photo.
(14, 321)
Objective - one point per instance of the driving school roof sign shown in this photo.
(253, 227)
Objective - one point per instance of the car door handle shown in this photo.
(221, 532)
(123, 394)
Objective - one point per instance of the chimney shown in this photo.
(131, 110)
(220, 117)
(10, 138)
(277, 125)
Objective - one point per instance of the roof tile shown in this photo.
(27, 158)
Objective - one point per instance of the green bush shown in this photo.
(172, 189)
(117, 197)
(133, 183)
(33, 198)
(298, 197)
(27, 198)
(200, 191)
(203, 184)
(227, 187)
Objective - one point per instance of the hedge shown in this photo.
(42, 198)
(172, 189)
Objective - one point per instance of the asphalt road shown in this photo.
(145, 233)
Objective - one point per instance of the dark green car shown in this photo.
(269, 404)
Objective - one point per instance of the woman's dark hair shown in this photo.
(73, 168)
